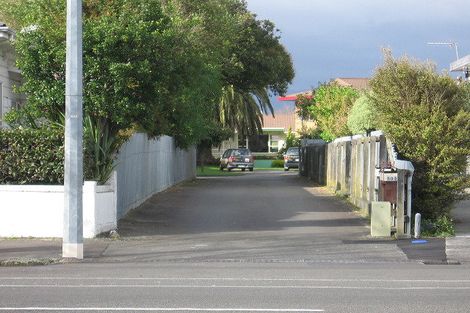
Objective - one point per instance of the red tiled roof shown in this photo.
(359, 83)
(354, 82)
(293, 97)
(284, 120)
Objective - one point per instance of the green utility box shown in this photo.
(381, 219)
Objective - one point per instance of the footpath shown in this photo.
(247, 220)
(458, 247)
(31, 252)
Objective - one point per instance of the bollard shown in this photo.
(417, 225)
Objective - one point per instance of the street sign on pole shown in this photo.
(72, 245)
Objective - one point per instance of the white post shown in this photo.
(72, 246)
(417, 225)
(408, 201)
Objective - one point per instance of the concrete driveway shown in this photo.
(256, 217)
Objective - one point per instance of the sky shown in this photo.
(344, 38)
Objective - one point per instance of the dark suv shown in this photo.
(237, 158)
(291, 158)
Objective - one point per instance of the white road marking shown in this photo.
(161, 309)
(239, 287)
(241, 279)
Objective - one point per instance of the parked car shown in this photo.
(291, 158)
(237, 158)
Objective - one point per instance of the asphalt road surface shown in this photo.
(261, 242)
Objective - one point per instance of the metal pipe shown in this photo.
(408, 200)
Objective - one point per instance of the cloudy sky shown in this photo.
(343, 38)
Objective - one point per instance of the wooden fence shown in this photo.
(365, 169)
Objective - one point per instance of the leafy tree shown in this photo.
(252, 62)
(302, 104)
(140, 70)
(424, 114)
(330, 108)
(363, 116)
(166, 67)
(259, 66)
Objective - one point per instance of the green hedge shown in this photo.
(31, 156)
(277, 163)
(266, 156)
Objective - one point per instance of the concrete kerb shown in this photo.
(45, 251)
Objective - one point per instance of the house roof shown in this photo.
(282, 120)
(293, 97)
(359, 83)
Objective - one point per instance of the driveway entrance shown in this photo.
(257, 217)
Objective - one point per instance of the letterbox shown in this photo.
(388, 186)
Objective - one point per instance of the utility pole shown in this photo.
(72, 245)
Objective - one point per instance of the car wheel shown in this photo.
(251, 169)
(243, 169)
(229, 169)
(286, 169)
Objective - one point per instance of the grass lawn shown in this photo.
(214, 171)
(268, 169)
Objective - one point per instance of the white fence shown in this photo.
(143, 168)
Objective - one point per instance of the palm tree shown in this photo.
(242, 110)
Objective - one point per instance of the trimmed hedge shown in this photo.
(31, 156)
(277, 163)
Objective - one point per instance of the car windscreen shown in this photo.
(241, 152)
(293, 151)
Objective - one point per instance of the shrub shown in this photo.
(363, 116)
(268, 156)
(425, 115)
(291, 141)
(277, 163)
(441, 227)
(31, 156)
(330, 108)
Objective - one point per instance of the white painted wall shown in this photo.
(9, 75)
(143, 168)
(37, 211)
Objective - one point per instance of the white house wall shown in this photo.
(9, 77)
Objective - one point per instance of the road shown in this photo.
(261, 242)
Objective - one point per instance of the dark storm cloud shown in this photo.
(335, 38)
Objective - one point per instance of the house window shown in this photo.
(274, 143)
(242, 143)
